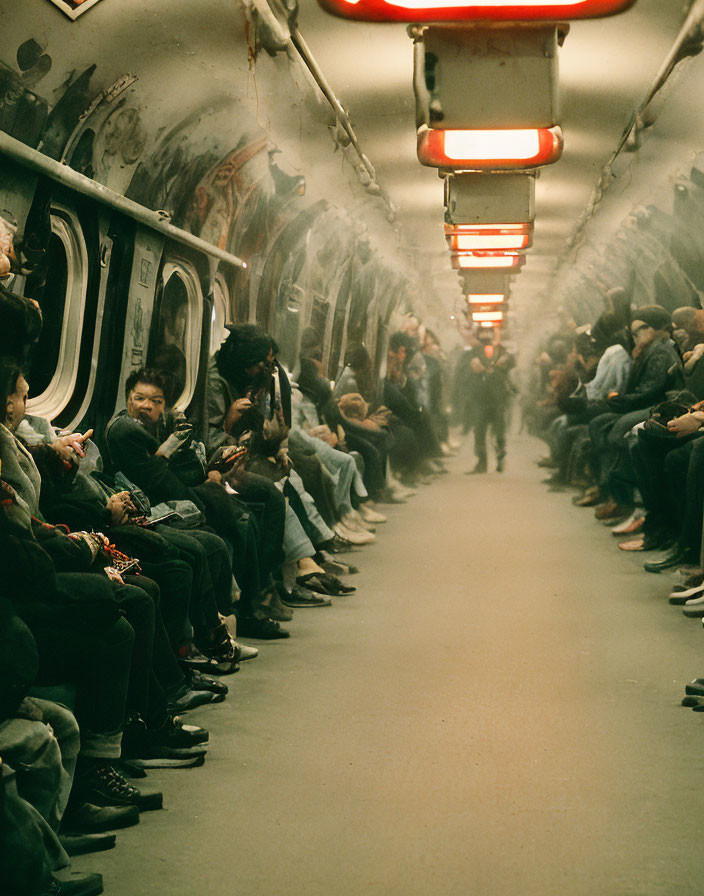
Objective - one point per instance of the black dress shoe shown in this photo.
(676, 556)
(260, 629)
(695, 688)
(86, 818)
(200, 682)
(173, 745)
(325, 583)
(76, 885)
(302, 597)
(81, 844)
(479, 468)
(102, 785)
(193, 698)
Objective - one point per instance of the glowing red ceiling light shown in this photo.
(486, 298)
(457, 229)
(489, 150)
(487, 317)
(479, 11)
(490, 242)
(467, 261)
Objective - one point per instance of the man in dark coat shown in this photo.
(490, 364)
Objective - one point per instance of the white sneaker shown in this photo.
(370, 515)
(688, 593)
(356, 523)
(354, 537)
(244, 652)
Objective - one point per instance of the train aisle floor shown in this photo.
(495, 713)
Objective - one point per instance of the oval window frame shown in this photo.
(194, 323)
(65, 225)
(221, 309)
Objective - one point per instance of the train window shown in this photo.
(339, 325)
(221, 316)
(319, 317)
(53, 363)
(175, 343)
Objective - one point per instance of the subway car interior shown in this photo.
(387, 309)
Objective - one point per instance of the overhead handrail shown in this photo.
(65, 175)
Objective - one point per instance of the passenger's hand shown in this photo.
(235, 412)
(284, 460)
(119, 506)
(684, 425)
(176, 440)
(69, 445)
(114, 575)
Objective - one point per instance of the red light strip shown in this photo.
(496, 298)
(467, 261)
(457, 229)
(489, 242)
(481, 10)
(487, 316)
(489, 150)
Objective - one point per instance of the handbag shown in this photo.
(680, 404)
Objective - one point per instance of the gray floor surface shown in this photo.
(496, 712)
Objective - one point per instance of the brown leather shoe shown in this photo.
(589, 499)
(611, 510)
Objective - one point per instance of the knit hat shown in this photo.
(654, 316)
(353, 407)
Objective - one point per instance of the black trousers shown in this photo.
(161, 560)
(155, 676)
(267, 507)
(211, 566)
(373, 446)
(689, 492)
(661, 463)
(96, 659)
(490, 415)
(253, 523)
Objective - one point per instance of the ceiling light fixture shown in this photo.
(487, 317)
(462, 261)
(488, 242)
(479, 11)
(486, 298)
(457, 229)
(489, 150)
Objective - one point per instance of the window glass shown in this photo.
(220, 316)
(175, 342)
(44, 356)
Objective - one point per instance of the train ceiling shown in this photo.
(199, 84)
(606, 66)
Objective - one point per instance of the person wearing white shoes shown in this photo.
(370, 515)
(355, 537)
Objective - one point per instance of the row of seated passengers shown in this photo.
(623, 414)
(125, 598)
